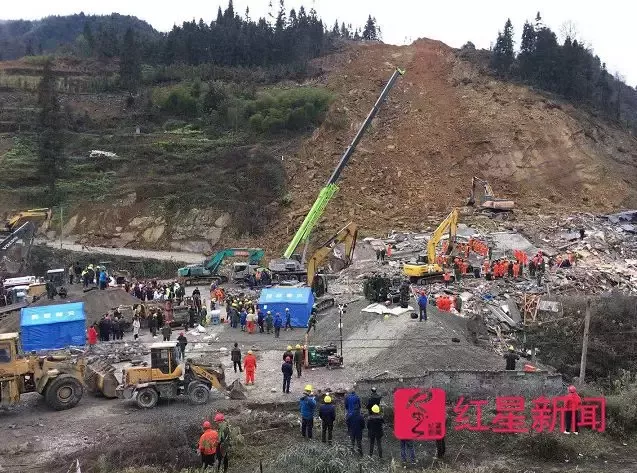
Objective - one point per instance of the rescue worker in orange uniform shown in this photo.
(250, 366)
(446, 278)
(571, 415)
(516, 269)
(208, 443)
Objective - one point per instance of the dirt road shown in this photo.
(190, 258)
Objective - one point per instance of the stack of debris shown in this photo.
(118, 351)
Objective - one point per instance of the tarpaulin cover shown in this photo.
(52, 326)
(298, 299)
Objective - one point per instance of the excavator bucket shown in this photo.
(100, 379)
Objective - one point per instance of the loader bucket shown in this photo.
(100, 379)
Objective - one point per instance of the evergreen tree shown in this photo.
(336, 29)
(280, 18)
(130, 71)
(90, 39)
(502, 55)
(219, 16)
(29, 48)
(369, 33)
(344, 31)
(51, 162)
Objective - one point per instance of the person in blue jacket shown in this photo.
(355, 427)
(352, 402)
(277, 325)
(327, 414)
(307, 404)
(242, 319)
(422, 303)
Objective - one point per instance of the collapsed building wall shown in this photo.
(474, 384)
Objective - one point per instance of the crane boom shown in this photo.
(328, 191)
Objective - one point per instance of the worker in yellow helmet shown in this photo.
(327, 414)
(375, 430)
(298, 360)
(307, 405)
(288, 353)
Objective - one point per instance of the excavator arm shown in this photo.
(488, 199)
(450, 223)
(33, 215)
(254, 256)
(346, 235)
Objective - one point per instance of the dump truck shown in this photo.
(168, 378)
(60, 379)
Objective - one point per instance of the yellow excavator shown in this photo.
(39, 217)
(347, 235)
(488, 201)
(425, 269)
(60, 379)
(168, 378)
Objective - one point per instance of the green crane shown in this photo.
(327, 192)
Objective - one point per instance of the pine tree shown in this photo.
(51, 163)
(369, 33)
(502, 55)
(526, 57)
(219, 16)
(130, 71)
(344, 31)
(280, 18)
(90, 39)
(29, 48)
(336, 29)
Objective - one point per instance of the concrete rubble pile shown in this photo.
(118, 351)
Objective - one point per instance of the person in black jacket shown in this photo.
(235, 356)
(287, 369)
(355, 427)
(511, 357)
(374, 400)
(375, 430)
(327, 414)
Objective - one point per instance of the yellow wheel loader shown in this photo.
(168, 378)
(60, 379)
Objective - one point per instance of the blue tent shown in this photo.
(298, 299)
(51, 327)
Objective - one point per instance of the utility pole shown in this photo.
(587, 324)
(61, 224)
(341, 311)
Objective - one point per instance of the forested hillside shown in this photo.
(569, 68)
(222, 133)
(80, 35)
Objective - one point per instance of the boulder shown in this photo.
(237, 390)
(223, 221)
(153, 234)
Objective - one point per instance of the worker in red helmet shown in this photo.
(571, 415)
(208, 443)
(224, 441)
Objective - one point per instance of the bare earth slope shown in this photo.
(442, 124)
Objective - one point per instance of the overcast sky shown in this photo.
(609, 26)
